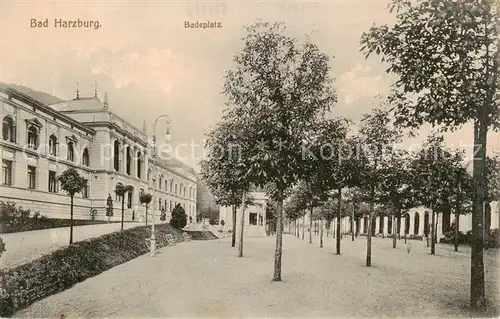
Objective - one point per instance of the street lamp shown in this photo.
(167, 135)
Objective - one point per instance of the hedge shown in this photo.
(61, 269)
(493, 240)
(201, 235)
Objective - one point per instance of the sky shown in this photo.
(150, 64)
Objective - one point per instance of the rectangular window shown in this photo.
(129, 200)
(159, 183)
(85, 189)
(7, 172)
(52, 182)
(159, 203)
(253, 218)
(31, 177)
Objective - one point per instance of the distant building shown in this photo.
(255, 216)
(40, 141)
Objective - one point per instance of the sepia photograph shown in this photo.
(250, 159)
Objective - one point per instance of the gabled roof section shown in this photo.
(34, 122)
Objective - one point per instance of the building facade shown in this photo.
(416, 223)
(40, 141)
(255, 216)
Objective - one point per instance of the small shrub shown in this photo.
(93, 213)
(2, 246)
(179, 217)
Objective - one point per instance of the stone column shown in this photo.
(386, 225)
(412, 223)
(377, 224)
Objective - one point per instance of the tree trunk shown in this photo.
(71, 222)
(321, 232)
(433, 226)
(297, 231)
(123, 211)
(339, 216)
(242, 225)
(477, 295)
(352, 222)
(457, 219)
(279, 240)
(303, 226)
(310, 225)
(233, 235)
(394, 231)
(369, 235)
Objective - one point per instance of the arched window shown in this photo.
(71, 151)
(53, 145)
(416, 223)
(171, 186)
(9, 129)
(118, 197)
(129, 160)
(407, 224)
(159, 182)
(129, 199)
(116, 156)
(33, 137)
(139, 164)
(166, 185)
(86, 157)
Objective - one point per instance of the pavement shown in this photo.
(24, 246)
(205, 279)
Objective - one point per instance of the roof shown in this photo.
(83, 103)
(42, 97)
(12, 91)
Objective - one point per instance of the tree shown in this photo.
(446, 54)
(222, 172)
(71, 183)
(396, 189)
(376, 138)
(179, 217)
(276, 93)
(121, 190)
(109, 207)
(145, 198)
(433, 179)
(333, 165)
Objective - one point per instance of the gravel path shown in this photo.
(24, 246)
(206, 279)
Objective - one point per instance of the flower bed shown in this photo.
(65, 267)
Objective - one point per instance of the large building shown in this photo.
(40, 140)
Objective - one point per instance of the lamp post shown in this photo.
(167, 135)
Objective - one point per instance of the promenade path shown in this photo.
(24, 246)
(206, 279)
